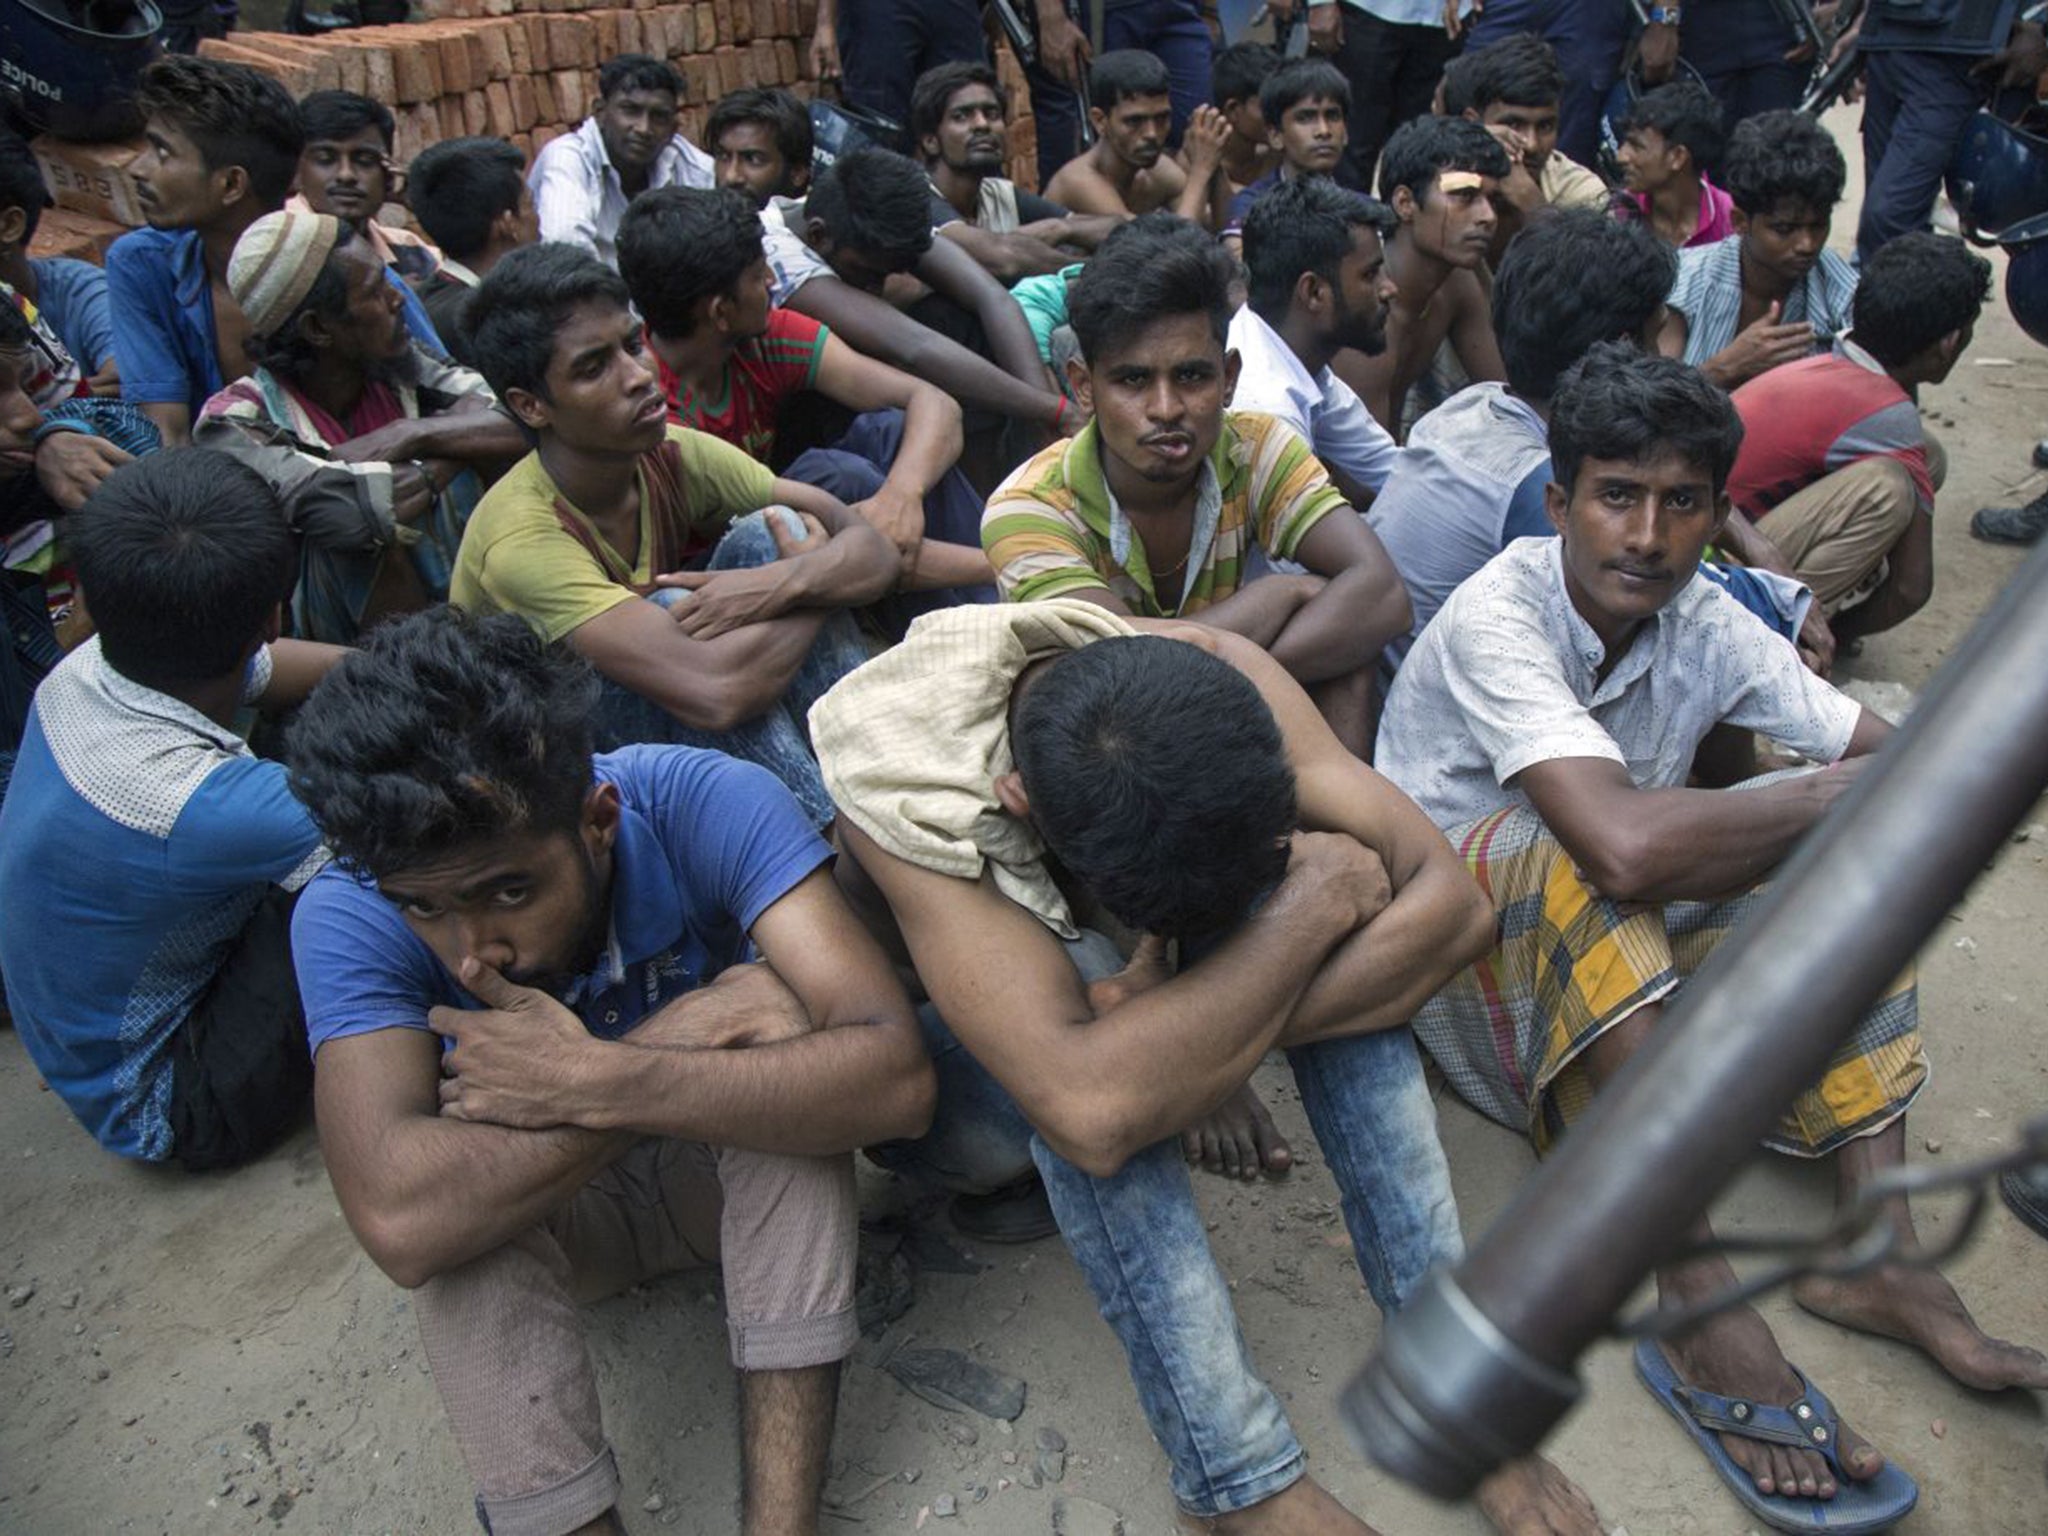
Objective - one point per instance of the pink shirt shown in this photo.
(1716, 211)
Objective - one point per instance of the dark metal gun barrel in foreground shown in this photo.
(1479, 1368)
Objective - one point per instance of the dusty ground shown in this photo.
(215, 1354)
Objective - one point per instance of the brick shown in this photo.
(380, 74)
(605, 25)
(519, 92)
(322, 61)
(700, 76)
(294, 76)
(572, 42)
(523, 142)
(786, 24)
(408, 137)
(543, 137)
(742, 19)
(539, 61)
(572, 95)
(61, 232)
(690, 123)
(91, 179)
(761, 62)
(452, 125)
(764, 18)
(456, 73)
(704, 30)
(476, 113)
(491, 51)
(498, 115)
(732, 70)
(786, 67)
(518, 48)
(416, 66)
(806, 17)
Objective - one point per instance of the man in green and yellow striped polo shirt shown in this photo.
(1171, 505)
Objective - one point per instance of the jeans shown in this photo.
(1916, 110)
(853, 469)
(777, 740)
(1172, 29)
(1142, 1247)
(1589, 36)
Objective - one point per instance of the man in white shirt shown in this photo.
(582, 181)
(1318, 284)
(1548, 722)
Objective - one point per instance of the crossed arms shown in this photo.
(813, 1054)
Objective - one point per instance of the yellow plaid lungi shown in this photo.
(1569, 964)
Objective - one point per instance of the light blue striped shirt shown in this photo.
(1708, 293)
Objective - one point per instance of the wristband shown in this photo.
(1664, 15)
(1060, 411)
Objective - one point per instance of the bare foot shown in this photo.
(1146, 969)
(1734, 1355)
(1919, 1307)
(1238, 1140)
(1530, 1497)
(1301, 1509)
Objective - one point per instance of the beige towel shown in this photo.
(912, 743)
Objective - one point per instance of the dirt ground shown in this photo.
(216, 1354)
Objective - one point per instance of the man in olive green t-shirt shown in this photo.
(600, 535)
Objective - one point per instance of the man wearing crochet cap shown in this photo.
(370, 440)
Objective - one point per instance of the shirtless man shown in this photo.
(1439, 175)
(1193, 797)
(1127, 171)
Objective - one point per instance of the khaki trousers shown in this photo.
(1838, 530)
(505, 1342)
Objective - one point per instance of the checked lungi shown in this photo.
(1569, 964)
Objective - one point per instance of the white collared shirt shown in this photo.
(1320, 406)
(1508, 675)
(579, 197)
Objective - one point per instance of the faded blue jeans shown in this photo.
(778, 740)
(1142, 1246)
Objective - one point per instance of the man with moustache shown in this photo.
(958, 118)
(1159, 507)
(1127, 170)
(1317, 261)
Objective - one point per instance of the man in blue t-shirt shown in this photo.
(665, 1032)
(147, 860)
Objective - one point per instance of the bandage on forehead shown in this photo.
(1459, 181)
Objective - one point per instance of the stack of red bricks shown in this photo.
(523, 70)
(532, 75)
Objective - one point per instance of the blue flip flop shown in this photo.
(1808, 1422)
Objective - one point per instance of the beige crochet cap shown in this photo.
(276, 263)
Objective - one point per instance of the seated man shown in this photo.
(867, 219)
(1475, 472)
(148, 862)
(1771, 292)
(1834, 482)
(69, 296)
(40, 480)
(345, 169)
(1669, 138)
(1438, 174)
(1318, 283)
(1248, 153)
(1127, 170)
(729, 362)
(582, 181)
(470, 196)
(1158, 506)
(569, 920)
(1548, 721)
(760, 143)
(590, 536)
(1513, 89)
(1049, 754)
(1306, 104)
(224, 146)
(957, 121)
(370, 441)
